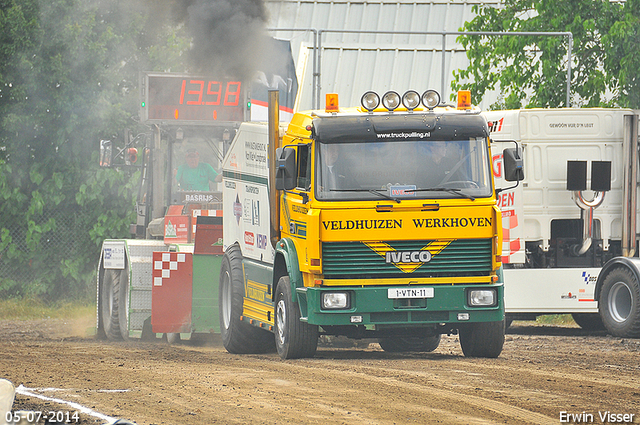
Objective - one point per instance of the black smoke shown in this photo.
(228, 36)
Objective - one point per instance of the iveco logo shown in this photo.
(408, 261)
(400, 257)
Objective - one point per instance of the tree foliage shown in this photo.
(68, 78)
(530, 71)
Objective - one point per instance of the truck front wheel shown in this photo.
(620, 303)
(238, 337)
(294, 338)
(482, 339)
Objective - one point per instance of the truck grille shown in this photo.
(461, 257)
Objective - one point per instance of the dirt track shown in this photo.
(542, 372)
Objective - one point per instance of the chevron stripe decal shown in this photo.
(408, 261)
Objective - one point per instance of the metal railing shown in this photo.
(317, 50)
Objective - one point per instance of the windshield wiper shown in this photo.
(453, 190)
(384, 195)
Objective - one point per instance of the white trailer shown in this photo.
(246, 191)
(570, 242)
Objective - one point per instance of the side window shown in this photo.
(304, 167)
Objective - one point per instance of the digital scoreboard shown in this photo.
(167, 97)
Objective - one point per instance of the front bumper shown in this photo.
(372, 306)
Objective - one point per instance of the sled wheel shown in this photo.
(111, 303)
(173, 338)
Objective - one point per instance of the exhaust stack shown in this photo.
(600, 184)
(630, 146)
(274, 138)
(586, 214)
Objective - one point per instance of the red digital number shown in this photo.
(217, 93)
(232, 94)
(213, 93)
(198, 92)
(184, 84)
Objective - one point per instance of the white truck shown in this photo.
(570, 240)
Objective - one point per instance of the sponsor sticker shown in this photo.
(399, 191)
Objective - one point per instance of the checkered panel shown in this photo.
(168, 263)
(509, 246)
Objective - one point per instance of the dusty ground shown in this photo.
(542, 372)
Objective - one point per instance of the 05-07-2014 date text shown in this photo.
(46, 417)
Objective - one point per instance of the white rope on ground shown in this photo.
(28, 392)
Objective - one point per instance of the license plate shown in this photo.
(395, 293)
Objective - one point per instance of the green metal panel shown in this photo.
(287, 249)
(204, 311)
(463, 257)
(257, 271)
(373, 304)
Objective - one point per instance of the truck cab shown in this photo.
(385, 226)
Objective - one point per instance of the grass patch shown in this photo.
(556, 319)
(26, 309)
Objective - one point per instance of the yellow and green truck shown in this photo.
(373, 222)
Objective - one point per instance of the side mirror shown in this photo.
(285, 169)
(106, 153)
(513, 164)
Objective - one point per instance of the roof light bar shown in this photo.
(391, 100)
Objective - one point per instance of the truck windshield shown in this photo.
(403, 170)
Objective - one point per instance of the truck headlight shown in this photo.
(411, 100)
(370, 101)
(335, 300)
(430, 99)
(482, 298)
(391, 100)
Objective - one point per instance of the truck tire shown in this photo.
(294, 338)
(237, 336)
(111, 304)
(588, 321)
(619, 303)
(482, 339)
(406, 345)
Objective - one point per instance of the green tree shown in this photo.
(530, 71)
(68, 78)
